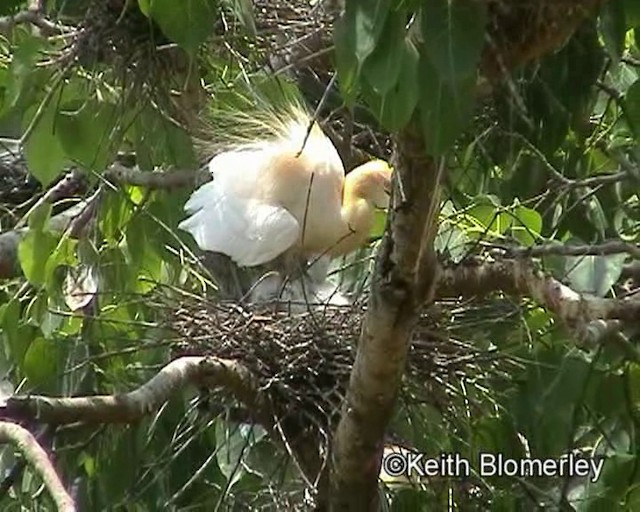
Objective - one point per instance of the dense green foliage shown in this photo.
(551, 155)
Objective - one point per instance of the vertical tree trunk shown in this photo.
(404, 277)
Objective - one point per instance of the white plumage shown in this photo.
(268, 197)
(226, 218)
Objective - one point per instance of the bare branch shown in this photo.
(75, 217)
(155, 180)
(519, 278)
(37, 457)
(558, 249)
(129, 407)
(32, 16)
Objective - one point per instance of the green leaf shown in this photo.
(37, 246)
(115, 212)
(367, 20)
(491, 218)
(383, 66)
(633, 377)
(395, 108)
(141, 249)
(39, 217)
(33, 252)
(445, 108)
(188, 23)
(613, 27)
(41, 362)
(346, 62)
(159, 142)
(451, 240)
(355, 35)
(24, 79)
(596, 215)
(527, 225)
(16, 333)
(453, 33)
(86, 130)
(43, 150)
(632, 107)
(594, 274)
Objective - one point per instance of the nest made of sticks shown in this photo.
(302, 361)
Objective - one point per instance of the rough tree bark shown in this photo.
(404, 262)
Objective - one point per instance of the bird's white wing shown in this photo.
(248, 231)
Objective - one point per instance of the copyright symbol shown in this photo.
(394, 464)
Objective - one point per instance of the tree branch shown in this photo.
(116, 174)
(166, 180)
(37, 457)
(32, 16)
(519, 278)
(392, 313)
(130, 407)
(559, 249)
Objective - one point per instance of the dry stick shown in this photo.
(316, 113)
(37, 457)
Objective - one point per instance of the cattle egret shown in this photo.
(286, 195)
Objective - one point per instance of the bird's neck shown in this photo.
(357, 217)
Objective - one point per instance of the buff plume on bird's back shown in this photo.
(283, 195)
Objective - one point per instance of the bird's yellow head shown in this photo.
(371, 182)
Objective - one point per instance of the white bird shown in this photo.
(286, 196)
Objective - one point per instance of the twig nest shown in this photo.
(303, 360)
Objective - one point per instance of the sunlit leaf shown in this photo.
(44, 153)
(379, 224)
(527, 225)
(41, 361)
(36, 247)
